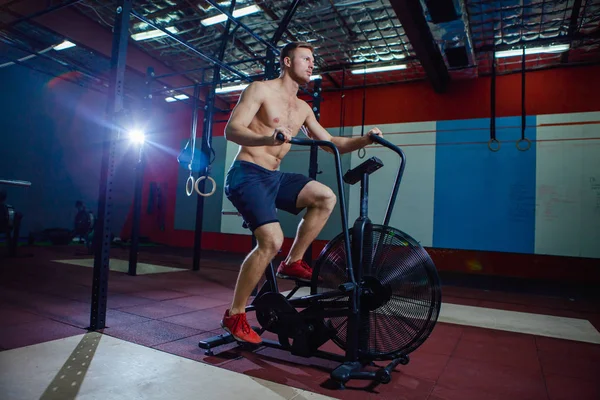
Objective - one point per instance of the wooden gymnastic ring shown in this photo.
(189, 189)
(490, 145)
(523, 148)
(209, 193)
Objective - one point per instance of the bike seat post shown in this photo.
(364, 195)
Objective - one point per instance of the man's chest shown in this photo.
(282, 112)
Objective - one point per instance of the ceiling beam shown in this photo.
(572, 27)
(412, 17)
(73, 25)
(274, 17)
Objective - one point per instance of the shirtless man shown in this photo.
(256, 188)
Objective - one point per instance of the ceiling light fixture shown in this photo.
(557, 48)
(64, 45)
(242, 86)
(237, 14)
(177, 97)
(378, 69)
(235, 88)
(153, 34)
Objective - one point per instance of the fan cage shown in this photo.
(404, 268)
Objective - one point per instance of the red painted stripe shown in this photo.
(572, 123)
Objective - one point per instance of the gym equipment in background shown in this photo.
(10, 220)
(83, 225)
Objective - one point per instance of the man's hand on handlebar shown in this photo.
(279, 134)
(374, 131)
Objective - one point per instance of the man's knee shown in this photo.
(269, 238)
(317, 195)
(325, 198)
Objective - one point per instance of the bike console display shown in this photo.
(367, 167)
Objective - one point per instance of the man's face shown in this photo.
(301, 64)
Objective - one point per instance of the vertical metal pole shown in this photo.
(102, 236)
(270, 66)
(209, 107)
(204, 171)
(139, 181)
(137, 206)
(313, 168)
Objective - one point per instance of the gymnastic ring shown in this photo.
(523, 148)
(206, 194)
(189, 189)
(490, 145)
(364, 152)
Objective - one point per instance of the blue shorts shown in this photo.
(257, 192)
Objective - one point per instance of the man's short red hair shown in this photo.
(290, 47)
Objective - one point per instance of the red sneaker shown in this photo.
(299, 270)
(237, 325)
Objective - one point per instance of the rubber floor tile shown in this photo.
(516, 355)
(201, 320)
(121, 300)
(571, 366)
(478, 376)
(157, 310)
(159, 295)
(497, 337)
(35, 332)
(568, 348)
(423, 365)
(151, 333)
(10, 316)
(567, 388)
(443, 339)
(197, 302)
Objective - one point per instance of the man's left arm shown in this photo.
(344, 144)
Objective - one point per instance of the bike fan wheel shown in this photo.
(404, 303)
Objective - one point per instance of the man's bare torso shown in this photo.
(278, 109)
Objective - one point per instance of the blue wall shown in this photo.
(484, 200)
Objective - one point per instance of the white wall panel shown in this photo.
(568, 185)
(231, 223)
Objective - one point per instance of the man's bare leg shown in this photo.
(269, 239)
(319, 201)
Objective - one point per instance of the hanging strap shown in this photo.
(362, 152)
(493, 144)
(523, 144)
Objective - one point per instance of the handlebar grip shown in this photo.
(304, 142)
(387, 144)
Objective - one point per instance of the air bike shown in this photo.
(375, 291)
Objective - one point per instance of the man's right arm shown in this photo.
(242, 115)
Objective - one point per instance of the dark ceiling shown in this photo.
(434, 40)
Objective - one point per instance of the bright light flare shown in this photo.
(137, 136)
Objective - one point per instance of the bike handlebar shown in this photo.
(326, 143)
